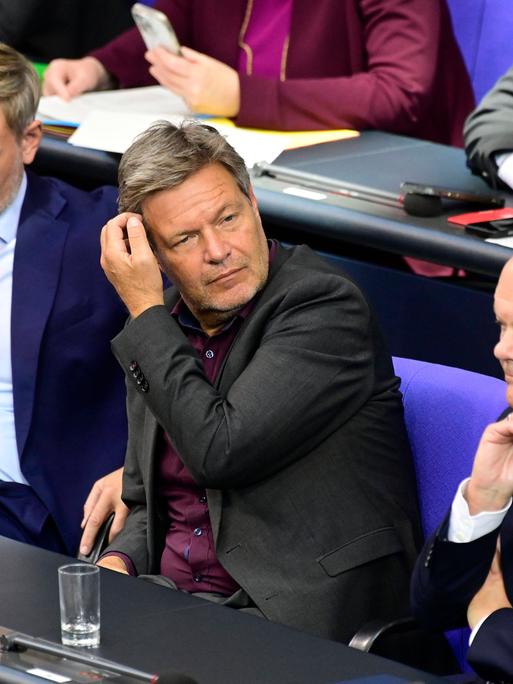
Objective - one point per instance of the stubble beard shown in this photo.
(12, 187)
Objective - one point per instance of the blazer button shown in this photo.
(197, 578)
(145, 386)
(133, 366)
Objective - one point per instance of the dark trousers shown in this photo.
(23, 517)
(239, 600)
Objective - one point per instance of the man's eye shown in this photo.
(229, 218)
(182, 241)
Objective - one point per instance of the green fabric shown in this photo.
(40, 68)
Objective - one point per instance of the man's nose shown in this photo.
(216, 247)
(504, 348)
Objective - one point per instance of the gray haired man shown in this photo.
(267, 464)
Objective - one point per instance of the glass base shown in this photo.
(83, 634)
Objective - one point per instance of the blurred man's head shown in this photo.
(503, 306)
(195, 196)
(20, 133)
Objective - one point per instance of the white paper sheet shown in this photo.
(115, 131)
(150, 100)
(504, 242)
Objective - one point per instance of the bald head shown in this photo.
(503, 306)
(504, 289)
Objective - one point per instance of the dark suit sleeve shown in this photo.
(489, 129)
(446, 577)
(491, 652)
(311, 370)
(132, 540)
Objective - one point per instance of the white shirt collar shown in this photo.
(10, 217)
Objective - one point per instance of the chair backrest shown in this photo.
(484, 31)
(446, 410)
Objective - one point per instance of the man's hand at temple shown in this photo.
(104, 499)
(491, 484)
(130, 264)
(205, 84)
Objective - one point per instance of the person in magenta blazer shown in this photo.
(294, 64)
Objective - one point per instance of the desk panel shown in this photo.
(375, 159)
(442, 322)
(155, 629)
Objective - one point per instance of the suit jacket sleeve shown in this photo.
(489, 129)
(491, 652)
(311, 369)
(132, 540)
(446, 577)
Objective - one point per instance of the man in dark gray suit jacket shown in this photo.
(267, 465)
(488, 134)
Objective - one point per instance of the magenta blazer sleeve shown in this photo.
(383, 64)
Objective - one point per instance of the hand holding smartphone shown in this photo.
(155, 28)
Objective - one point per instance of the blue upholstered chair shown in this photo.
(446, 410)
(484, 31)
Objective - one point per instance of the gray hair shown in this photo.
(166, 155)
(20, 89)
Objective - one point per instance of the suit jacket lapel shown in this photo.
(37, 263)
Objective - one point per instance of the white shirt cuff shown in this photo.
(476, 630)
(504, 163)
(464, 527)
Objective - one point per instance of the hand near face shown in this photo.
(129, 263)
(206, 85)
(492, 595)
(491, 484)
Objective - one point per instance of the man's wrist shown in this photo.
(484, 499)
(136, 310)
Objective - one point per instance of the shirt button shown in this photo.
(203, 499)
(198, 532)
(197, 578)
(209, 354)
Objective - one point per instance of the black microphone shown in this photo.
(174, 678)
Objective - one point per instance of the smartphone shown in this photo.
(155, 28)
(451, 194)
(486, 224)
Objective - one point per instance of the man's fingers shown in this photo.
(139, 245)
(90, 503)
(95, 520)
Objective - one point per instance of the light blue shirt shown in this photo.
(10, 470)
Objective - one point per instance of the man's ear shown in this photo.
(30, 140)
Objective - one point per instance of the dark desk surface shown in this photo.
(156, 629)
(375, 159)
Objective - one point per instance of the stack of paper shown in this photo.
(110, 121)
